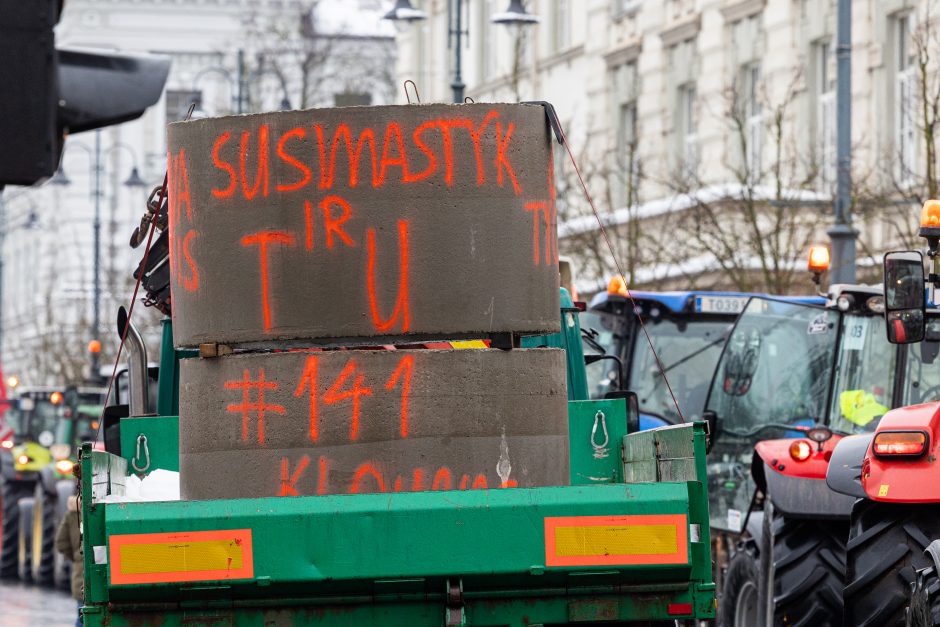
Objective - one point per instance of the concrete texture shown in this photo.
(499, 417)
(281, 229)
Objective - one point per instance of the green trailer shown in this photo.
(627, 541)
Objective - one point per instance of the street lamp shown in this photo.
(514, 15)
(134, 180)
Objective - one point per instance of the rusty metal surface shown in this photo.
(431, 221)
(376, 421)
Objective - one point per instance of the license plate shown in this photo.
(720, 304)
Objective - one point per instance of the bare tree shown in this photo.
(751, 233)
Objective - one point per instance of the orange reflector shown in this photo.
(186, 556)
(616, 540)
(800, 450)
(930, 214)
(617, 286)
(818, 259)
(904, 443)
(55, 398)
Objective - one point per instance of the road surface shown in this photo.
(30, 606)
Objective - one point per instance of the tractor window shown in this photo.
(922, 378)
(775, 371)
(688, 351)
(864, 378)
(602, 333)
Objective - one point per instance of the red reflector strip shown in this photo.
(679, 609)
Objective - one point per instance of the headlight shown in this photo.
(64, 466)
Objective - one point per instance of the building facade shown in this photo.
(706, 129)
(228, 56)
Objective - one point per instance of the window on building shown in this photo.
(688, 127)
(178, 102)
(753, 118)
(905, 97)
(825, 114)
(626, 169)
(624, 7)
(561, 22)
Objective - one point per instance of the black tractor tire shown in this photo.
(62, 567)
(738, 603)
(885, 549)
(924, 608)
(809, 570)
(10, 494)
(24, 558)
(42, 563)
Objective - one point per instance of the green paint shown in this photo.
(590, 423)
(161, 449)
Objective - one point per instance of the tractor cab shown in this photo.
(34, 416)
(789, 368)
(688, 331)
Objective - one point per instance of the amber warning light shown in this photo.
(818, 259)
(617, 286)
(900, 443)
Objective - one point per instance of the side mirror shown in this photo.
(633, 408)
(905, 298)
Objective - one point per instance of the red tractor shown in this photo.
(894, 471)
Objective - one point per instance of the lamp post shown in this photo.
(134, 180)
(514, 15)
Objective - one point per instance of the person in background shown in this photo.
(68, 542)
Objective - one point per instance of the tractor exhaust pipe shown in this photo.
(138, 380)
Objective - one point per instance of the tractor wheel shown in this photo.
(10, 495)
(924, 608)
(886, 547)
(24, 561)
(808, 570)
(43, 546)
(738, 604)
(62, 567)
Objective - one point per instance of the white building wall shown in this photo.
(705, 43)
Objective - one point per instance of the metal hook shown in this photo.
(600, 450)
(141, 439)
(415, 87)
(468, 100)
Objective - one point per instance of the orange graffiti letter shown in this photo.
(309, 380)
(289, 480)
(406, 366)
(366, 469)
(393, 139)
(333, 225)
(225, 166)
(261, 179)
(333, 395)
(502, 144)
(262, 239)
(401, 301)
(299, 133)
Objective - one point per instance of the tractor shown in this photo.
(688, 331)
(77, 423)
(810, 376)
(892, 548)
(33, 416)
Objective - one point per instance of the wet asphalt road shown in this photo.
(31, 606)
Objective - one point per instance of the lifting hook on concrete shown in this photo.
(141, 442)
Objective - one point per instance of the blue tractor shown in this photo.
(688, 330)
